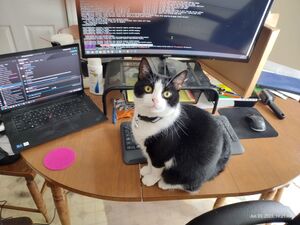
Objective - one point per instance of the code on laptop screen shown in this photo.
(29, 77)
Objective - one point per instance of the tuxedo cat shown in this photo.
(183, 144)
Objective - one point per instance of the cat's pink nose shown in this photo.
(155, 101)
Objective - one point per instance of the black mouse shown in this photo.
(256, 122)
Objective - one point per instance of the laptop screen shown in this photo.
(37, 75)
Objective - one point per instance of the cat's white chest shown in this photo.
(143, 129)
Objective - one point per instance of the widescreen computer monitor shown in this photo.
(226, 29)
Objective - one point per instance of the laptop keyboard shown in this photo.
(42, 116)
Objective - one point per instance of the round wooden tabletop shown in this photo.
(100, 172)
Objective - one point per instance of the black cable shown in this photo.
(1, 207)
(296, 185)
(54, 215)
(4, 202)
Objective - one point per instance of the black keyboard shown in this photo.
(58, 111)
(132, 154)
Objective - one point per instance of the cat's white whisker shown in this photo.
(178, 125)
(176, 132)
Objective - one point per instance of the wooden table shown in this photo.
(266, 165)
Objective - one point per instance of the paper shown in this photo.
(278, 94)
(293, 96)
(5, 145)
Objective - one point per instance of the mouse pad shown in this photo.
(236, 117)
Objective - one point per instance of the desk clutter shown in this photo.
(121, 110)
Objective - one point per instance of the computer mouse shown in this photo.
(256, 122)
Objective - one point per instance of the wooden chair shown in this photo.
(21, 169)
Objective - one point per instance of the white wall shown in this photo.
(287, 47)
(29, 24)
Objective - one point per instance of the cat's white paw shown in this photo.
(165, 186)
(150, 180)
(145, 170)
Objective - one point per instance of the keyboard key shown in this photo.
(128, 140)
(42, 116)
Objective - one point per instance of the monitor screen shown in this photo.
(32, 76)
(224, 29)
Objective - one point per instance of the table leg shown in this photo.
(279, 193)
(37, 197)
(61, 204)
(272, 195)
(219, 202)
(268, 195)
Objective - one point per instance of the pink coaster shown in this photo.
(59, 158)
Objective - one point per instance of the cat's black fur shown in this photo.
(139, 88)
(200, 147)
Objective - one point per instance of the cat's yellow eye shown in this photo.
(167, 94)
(148, 89)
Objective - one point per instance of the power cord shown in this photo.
(296, 185)
(54, 215)
(4, 202)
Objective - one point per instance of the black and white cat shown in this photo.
(182, 143)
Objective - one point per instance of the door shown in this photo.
(29, 24)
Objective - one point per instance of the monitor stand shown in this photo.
(122, 75)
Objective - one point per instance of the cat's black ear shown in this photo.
(179, 79)
(144, 69)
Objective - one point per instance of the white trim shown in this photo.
(71, 12)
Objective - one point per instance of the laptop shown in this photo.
(42, 96)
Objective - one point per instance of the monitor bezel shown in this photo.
(80, 92)
(237, 59)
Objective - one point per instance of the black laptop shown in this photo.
(42, 97)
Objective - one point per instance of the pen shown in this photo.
(114, 113)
